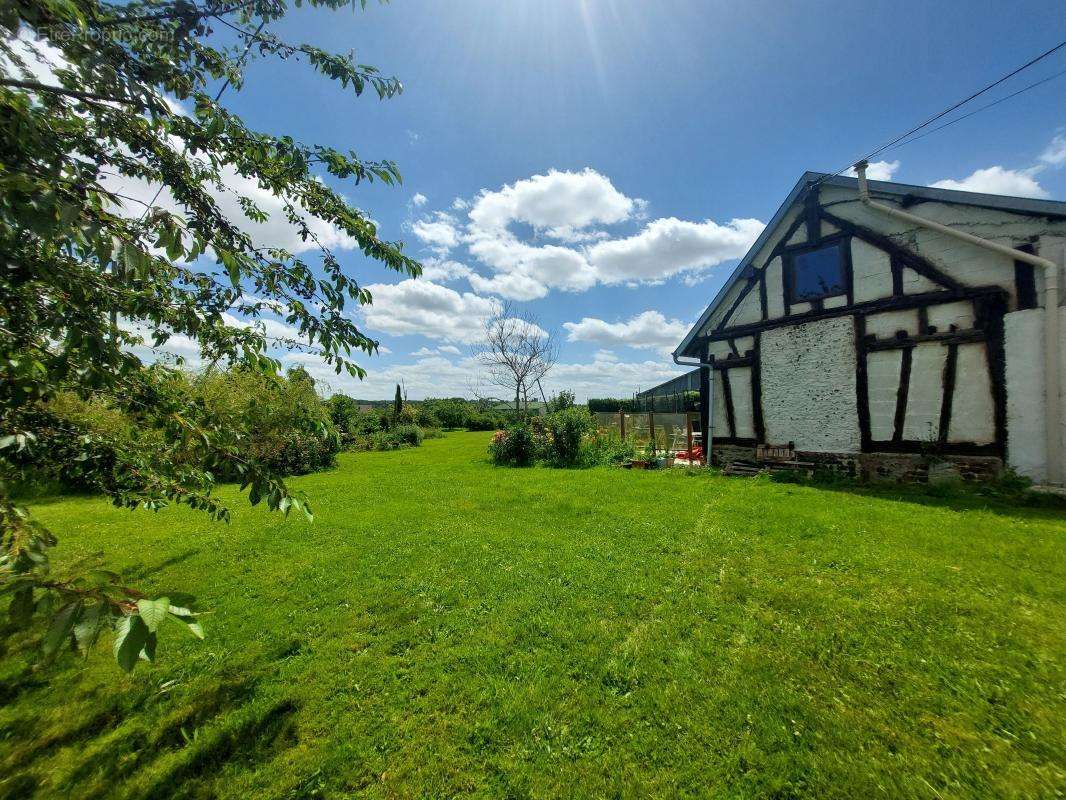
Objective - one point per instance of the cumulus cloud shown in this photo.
(438, 376)
(668, 246)
(419, 199)
(417, 306)
(546, 233)
(437, 232)
(877, 170)
(449, 348)
(557, 204)
(442, 270)
(997, 180)
(1055, 153)
(649, 329)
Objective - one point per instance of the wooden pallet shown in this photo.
(750, 468)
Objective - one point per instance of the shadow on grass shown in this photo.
(140, 572)
(993, 498)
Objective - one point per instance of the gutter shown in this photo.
(1051, 313)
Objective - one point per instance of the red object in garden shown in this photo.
(695, 454)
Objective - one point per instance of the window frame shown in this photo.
(843, 244)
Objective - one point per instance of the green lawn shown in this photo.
(448, 628)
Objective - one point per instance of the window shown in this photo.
(817, 273)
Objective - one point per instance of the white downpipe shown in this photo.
(1051, 313)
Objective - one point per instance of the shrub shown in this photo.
(514, 446)
(409, 435)
(298, 453)
(432, 433)
(606, 448)
(609, 404)
(399, 436)
(407, 416)
(481, 421)
(425, 418)
(561, 401)
(563, 432)
(380, 440)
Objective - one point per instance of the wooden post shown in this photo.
(622, 424)
(688, 430)
(651, 431)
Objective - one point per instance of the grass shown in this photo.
(448, 628)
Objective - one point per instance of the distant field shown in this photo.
(448, 628)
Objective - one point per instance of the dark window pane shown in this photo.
(818, 273)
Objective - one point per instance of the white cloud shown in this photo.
(438, 232)
(443, 270)
(450, 348)
(423, 352)
(557, 204)
(878, 170)
(668, 246)
(605, 355)
(1055, 153)
(569, 207)
(437, 376)
(513, 286)
(426, 308)
(649, 329)
(419, 199)
(997, 180)
(41, 59)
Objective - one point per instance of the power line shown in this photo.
(983, 108)
(951, 108)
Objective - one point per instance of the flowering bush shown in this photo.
(563, 434)
(514, 446)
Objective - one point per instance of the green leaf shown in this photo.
(88, 627)
(131, 634)
(61, 627)
(196, 629)
(153, 612)
(21, 608)
(148, 653)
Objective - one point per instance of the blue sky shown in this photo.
(614, 158)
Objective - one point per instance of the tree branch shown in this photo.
(34, 86)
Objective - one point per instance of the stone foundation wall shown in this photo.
(893, 467)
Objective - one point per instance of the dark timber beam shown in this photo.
(901, 394)
(901, 303)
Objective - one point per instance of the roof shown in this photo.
(909, 195)
(690, 381)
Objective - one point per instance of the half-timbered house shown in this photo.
(880, 344)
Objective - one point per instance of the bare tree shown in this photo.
(517, 353)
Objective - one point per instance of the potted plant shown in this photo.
(645, 459)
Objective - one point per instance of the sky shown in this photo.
(602, 164)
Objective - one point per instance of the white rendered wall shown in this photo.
(808, 386)
(925, 393)
(1024, 344)
(883, 369)
(973, 412)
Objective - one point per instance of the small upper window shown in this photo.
(818, 273)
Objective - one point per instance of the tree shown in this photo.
(397, 403)
(96, 96)
(517, 354)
